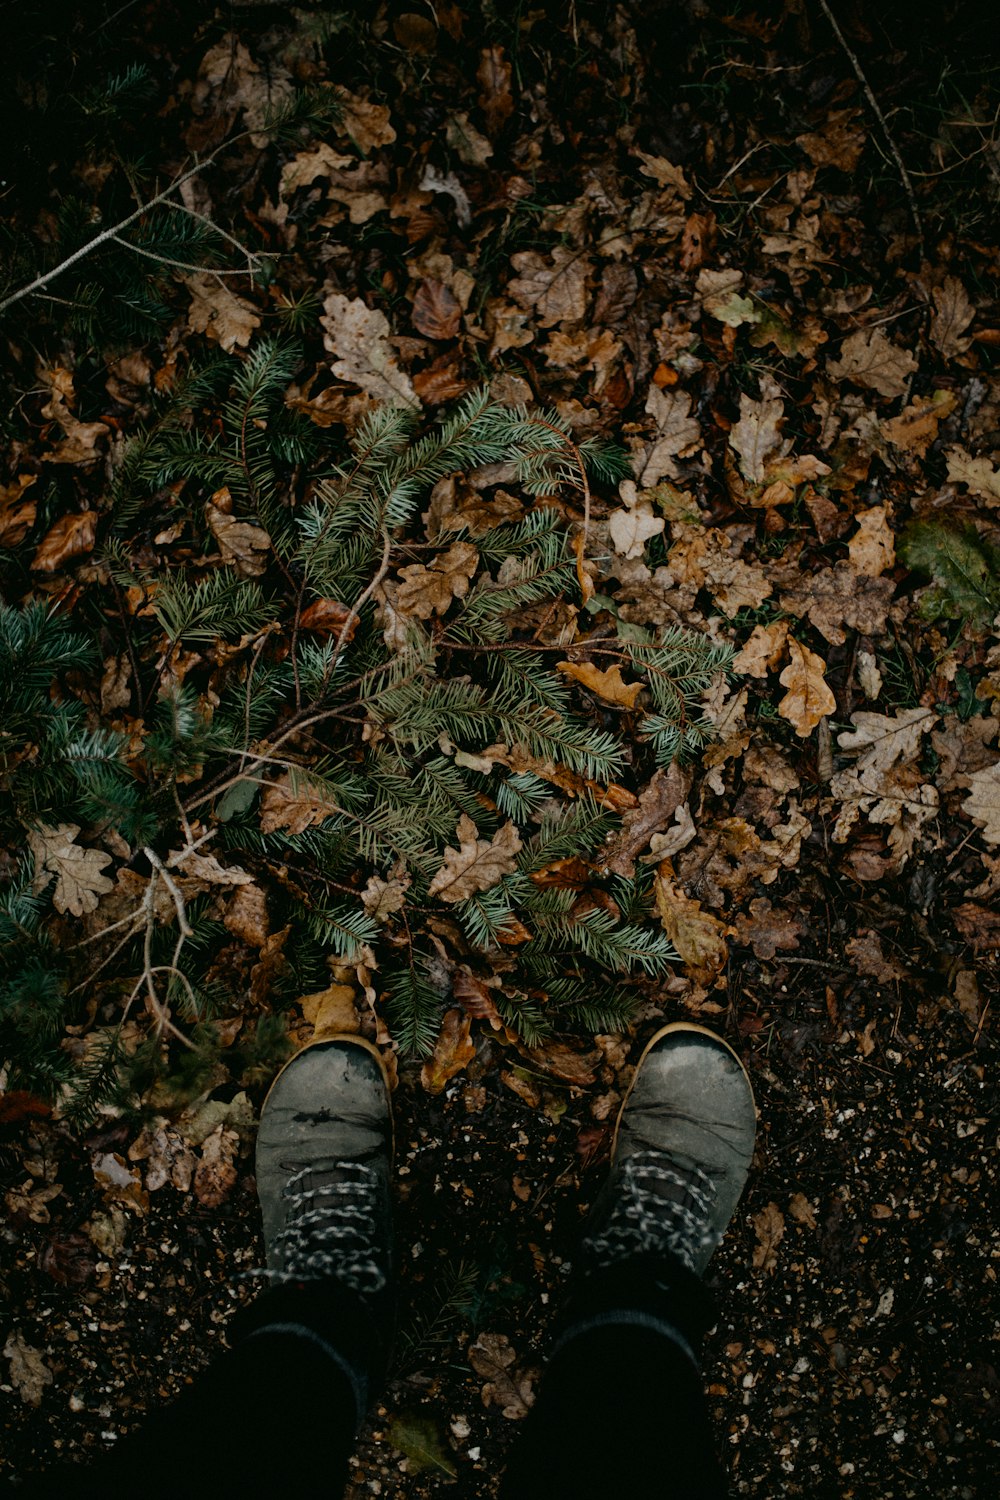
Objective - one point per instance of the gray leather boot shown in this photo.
(681, 1155)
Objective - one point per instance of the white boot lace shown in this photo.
(331, 1229)
(659, 1208)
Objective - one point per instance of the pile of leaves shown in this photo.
(498, 544)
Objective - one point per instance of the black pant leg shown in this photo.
(620, 1411)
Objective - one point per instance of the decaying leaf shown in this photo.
(294, 802)
(978, 474)
(757, 435)
(437, 312)
(631, 528)
(80, 881)
(953, 312)
(331, 1012)
(808, 698)
(241, 543)
(872, 548)
(676, 434)
(367, 124)
(71, 536)
(416, 1435)
(870, 359)
(215, 1174)
(218, 313)
(29, 1374)
(763, 650)
(453, 1050)
(17, 514)
(558, 291)
(837, 597)
(769, 1226)
(428, 590)
(983, 802)
(885, 783)
(492, 1357)
(698, 936)
(358, 338)
(477, 863)
(495, 98)
(662, 798)
(607, 684)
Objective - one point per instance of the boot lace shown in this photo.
(658, 1208)
(331, 1229)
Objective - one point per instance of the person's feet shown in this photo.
(324, 1158)
(681, 1155)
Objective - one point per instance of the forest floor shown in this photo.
(704, 238)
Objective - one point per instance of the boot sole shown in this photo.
(354, 1041)
(687, 1027)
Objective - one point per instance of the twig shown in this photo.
(180, 265)
(904, 175)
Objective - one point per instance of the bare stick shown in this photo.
(904, 175)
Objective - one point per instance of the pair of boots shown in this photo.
(682, 1149)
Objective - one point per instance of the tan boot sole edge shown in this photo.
(355, 1041)
(672, 1026)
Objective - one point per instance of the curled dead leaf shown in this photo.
(698, 936)
(453, 1050)
(71, 536)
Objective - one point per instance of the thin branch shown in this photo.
(180, 265)
(904, 175)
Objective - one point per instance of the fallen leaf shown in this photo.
(495, 99)
(475, 997)
(802, 1211)
(119, 1182)
(769, 1226)
(328, 617)
(699, 938)
(218, 313)
(756, 436)
(29, 1374)
(428, 590)
(953, 312)
(477, 864)
(978, 474)
(367, 124)
(631, 528)
(215, 1175)
(381, 898)
(886, 783)
(867, 958)
(17, 515)
(294, 802)
(306, 166)
(80, 881)
(433, 181)
(71, 536)
(492, 1357)
(763, 650)
(838, 596)
(979, 925)
(331, 1012)
(453, 1050)
(983, 801)
(417, 1437)
(767, 929)
(869, 359)
(556, 291)
(658, 803)
(574, 1065)
(168, 1158)
(676, 434)
(916, 427)
(437, 312)
(838, 144)
(358, 337)
(246, 916)
(872, 548)
(607, 684)
(469, 144)
(808, 699)
(240, 542)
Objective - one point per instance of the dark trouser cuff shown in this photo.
(648, 1292)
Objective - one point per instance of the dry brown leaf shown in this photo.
(838, 596)
(769, 1226)
(676, 434)
(978, 925)
(556, 291)
(218, 313)
(492, 1357)
(631, 528)
(79, 445)
(80, 881)
(17, 515)
(167, 1155)
(475, 997)
(215, 1175)
(808, 699)
(867, 957)
(885, 783)
(469, 144)
(29, 1374)
(437, 312)
(119, 1182)
(802, 1211)
(240, 542)
(953, 312)
(246, 916)
(295, 803)
(572, 1064)
(699, 938)
(477, 864)
(983, 802)
(358, 337)
(872, 548)
(662, 798)
(306, 166)
(869, 359)
(757, 435)
(71, 536)
(328, 617)
(495, 99)
(916, 427)
(331, 1012)
(426, 591)
(381, 898)
(367, 124)
(977, 473)
(206, 868)
(607, 684)
(763, 650)
(453, 1050)
(767, 929)
(838, 144)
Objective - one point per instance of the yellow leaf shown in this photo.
(607, 684)
(808, 698)
(331, 1012)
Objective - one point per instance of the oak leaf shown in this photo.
(306, 166)
(246, 916)
(428, 590)
(983, 802)
(240, 542)
(977, 473)
(495, 99)
(215, 1174)
(699, 938)
(29, 1374)
(658, 803)
(676, 434)
(80, 881)
(17, 515)
(331, 1012)
(557, 292)
(358, 337)
(453, 1050)
(916, 427)
(872, 548)
(838, 596)
(607, 684)
(767, 929)
(763, 650)
(328, 617)
(381, 898)
(631, 528)
(477, 864)
(953, 312)
(469, 144)
(871, 360)
(367, 124)
(295, 803)
(756, 436)
(769, 1226)
(492, 1357)
(808, 699)
(218, 313)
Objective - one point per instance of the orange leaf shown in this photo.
(608, 684)
(453, 1049)
(808, 698)
(328, 617)
(437, 312)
